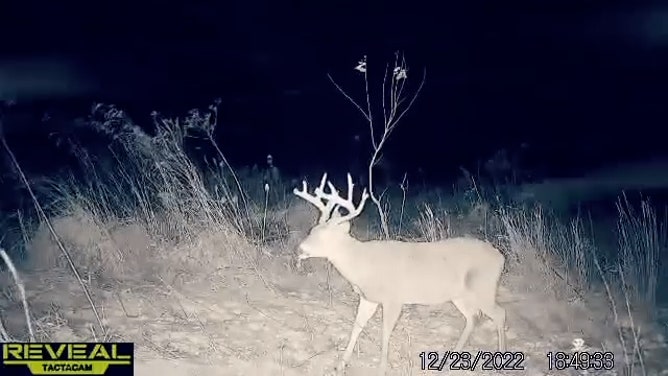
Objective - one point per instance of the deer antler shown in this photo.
(333, 200)
(334, 197)
(316, 200)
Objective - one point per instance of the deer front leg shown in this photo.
(365, 310)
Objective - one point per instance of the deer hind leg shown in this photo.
(498, 316)
(469, 311)
(391, 313)
(365, 310)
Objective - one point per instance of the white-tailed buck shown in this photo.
(392, 273)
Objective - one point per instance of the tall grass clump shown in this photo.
(143, 205)
(551, 256)
(158, 174)
(566, 259)
(642, 240)
(556, 257)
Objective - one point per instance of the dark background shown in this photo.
(582, 82)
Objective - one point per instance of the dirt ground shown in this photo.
(231, 323)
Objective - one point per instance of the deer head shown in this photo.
(332, 229)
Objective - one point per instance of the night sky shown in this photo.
(584, 83)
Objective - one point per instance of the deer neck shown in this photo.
(346, 250)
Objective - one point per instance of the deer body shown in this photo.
(415, 267)
(464, 271)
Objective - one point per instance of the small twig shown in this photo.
(120, 301)
(281, 358)
(613, 305)
(329, 283)
(266, 205)
(4, 336)
(22, 292)
(634, 330)
(404, 188)
(90, 327)
(343, 92)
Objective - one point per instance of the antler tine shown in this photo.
(352, 210)
(322, 182)
(347, 203)
(317, 198)
(313, 199)
(350, 186)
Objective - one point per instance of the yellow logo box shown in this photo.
(110, 359)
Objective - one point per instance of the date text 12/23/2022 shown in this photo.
(466, 361)
(514, 361)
